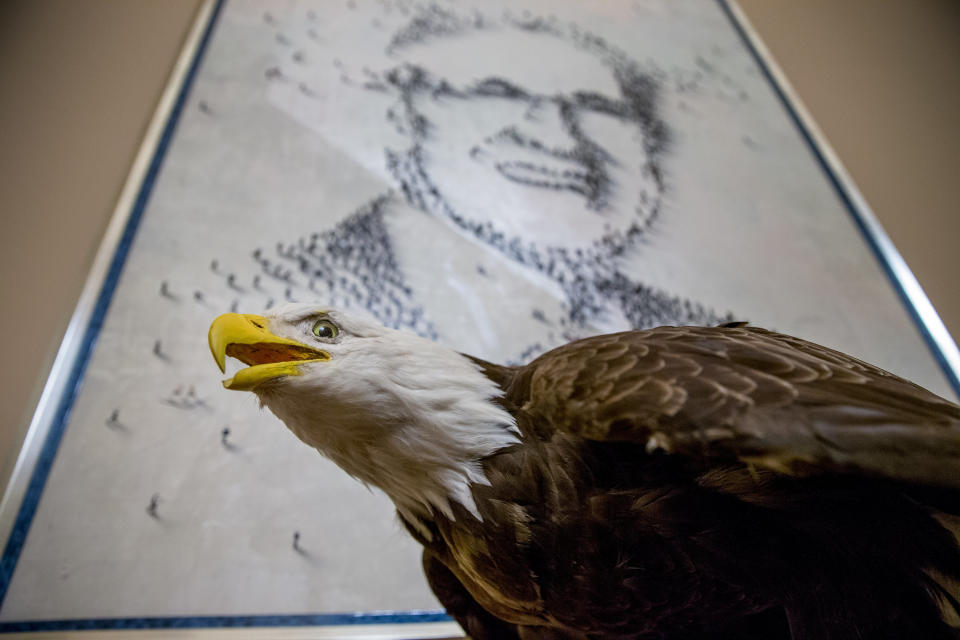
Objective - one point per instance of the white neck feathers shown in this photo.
(403, 414)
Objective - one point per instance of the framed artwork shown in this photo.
(502, 177)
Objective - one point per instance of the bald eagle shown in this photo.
(678, 482)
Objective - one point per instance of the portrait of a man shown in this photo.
(531, 166)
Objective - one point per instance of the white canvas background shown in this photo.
(749, 224)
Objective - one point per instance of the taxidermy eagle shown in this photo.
(677, 483)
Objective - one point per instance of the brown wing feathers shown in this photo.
(749, 394)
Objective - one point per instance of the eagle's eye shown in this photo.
(325, 328)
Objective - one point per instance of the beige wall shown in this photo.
(80, 79)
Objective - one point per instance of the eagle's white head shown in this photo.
(392, 409)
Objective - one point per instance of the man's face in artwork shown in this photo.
(529, 133)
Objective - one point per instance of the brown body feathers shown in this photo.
(685, 483)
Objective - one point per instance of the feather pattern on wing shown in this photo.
(745, 394)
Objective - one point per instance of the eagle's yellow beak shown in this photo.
(246, 338)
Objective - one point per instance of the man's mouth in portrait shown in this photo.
(540, 174)
(530, 163)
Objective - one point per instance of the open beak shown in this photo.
(246, 338)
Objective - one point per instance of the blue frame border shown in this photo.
(31, 500)
(208, 622)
